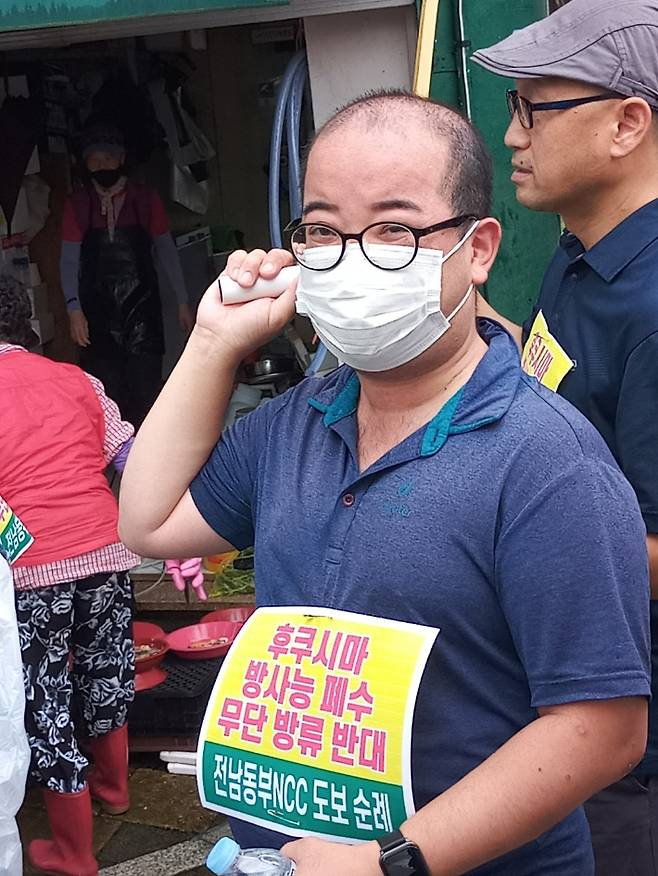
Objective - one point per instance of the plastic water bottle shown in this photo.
(228, 859)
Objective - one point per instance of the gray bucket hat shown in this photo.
(609, 43)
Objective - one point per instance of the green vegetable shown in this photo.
(236, 578)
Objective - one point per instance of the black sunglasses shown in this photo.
(525, 108)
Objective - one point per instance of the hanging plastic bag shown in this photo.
(38, 204)
(185, 190)
(14, 749)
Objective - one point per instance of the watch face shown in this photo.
(406, 860)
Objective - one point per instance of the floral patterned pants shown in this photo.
(76, 640)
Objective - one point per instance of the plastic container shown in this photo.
(157, 645)
(176, 707)
(143, 630)
(153, 635)
(238, 614)
(203, 641)
(216, 562)
(228, 859)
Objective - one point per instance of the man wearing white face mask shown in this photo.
(427, 481)
(378, 308)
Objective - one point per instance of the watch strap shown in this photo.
(391, 841)
(400, 856)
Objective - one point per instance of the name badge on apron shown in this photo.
(14, 537)
(543, 357)
(308, 728)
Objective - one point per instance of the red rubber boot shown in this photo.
(108, 778)
(69, 852)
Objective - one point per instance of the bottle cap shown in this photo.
(222, 855)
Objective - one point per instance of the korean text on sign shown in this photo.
(308, 729)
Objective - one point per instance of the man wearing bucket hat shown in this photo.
(584, 138)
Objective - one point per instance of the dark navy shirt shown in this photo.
(504, 522)
(601, 305)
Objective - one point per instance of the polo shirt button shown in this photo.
(348, 500)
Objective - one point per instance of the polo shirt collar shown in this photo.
(620, 246)
(484, 400)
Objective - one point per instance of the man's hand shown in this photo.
(185, 318)
(242, 328)
(158, 515)
(315, 857)
(79, 328)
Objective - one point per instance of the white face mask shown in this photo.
(373, 319)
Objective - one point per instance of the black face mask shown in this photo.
(107, 178)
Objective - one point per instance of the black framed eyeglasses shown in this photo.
(320, 247)
(525, 108)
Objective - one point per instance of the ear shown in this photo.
(634, 122)
(484, 249)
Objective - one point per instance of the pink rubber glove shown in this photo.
(187, 571)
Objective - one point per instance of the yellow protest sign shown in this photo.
(308, 728)
(543, 357)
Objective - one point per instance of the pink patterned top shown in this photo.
(111, 558)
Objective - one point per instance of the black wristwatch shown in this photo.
(400, 857)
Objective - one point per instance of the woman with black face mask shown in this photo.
(111, 232)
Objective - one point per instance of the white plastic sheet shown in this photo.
(14, 749)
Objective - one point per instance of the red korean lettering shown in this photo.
(281, 641)
(279, 684)
(354, 653)
(534, 349)
(325, 655)
(344, 742)
(302, 646)
(230, 716)
(372, 749)
(256, 673)
(285, 728)
(302, 688)
(361, 702)
(544, 363)
(310, 735)
(289, 686)
(334, 695)
(253, 723)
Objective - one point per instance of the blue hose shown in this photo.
(288, 113)
(283, 96)
(293, 119)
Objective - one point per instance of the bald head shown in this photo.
(466, 181)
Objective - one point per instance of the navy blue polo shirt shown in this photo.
(504, 522)
(601, 305)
